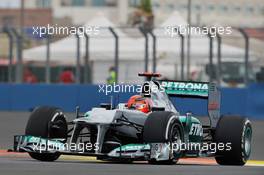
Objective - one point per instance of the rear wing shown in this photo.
(204, 90)
(181, 88)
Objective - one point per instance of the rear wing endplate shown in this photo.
(204, 90)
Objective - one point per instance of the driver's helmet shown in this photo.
(139, 103)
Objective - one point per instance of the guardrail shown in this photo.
(24, 97)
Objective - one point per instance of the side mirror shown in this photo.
(107, 106)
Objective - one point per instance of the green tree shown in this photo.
(146, 6)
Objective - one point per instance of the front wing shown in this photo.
(26, 143)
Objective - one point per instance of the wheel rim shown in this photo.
(60, 132)
(247, 141)
(176, 137)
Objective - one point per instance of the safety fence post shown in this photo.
(143, 31)
(219, 59)
(245, 35)
(182, 55)
(210, 57)
(10, 53)
(47, 66)
(116, 53)
(154, 50)
(19, 63)
(87, 71)
(78, 56)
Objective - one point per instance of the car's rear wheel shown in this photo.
(47, 122)
(237, 132)
(170, 131)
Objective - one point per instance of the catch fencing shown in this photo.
(151, 57)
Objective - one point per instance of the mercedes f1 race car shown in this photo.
(149, 128)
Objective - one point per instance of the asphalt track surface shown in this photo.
(20, 164)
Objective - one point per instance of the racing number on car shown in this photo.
(196, 129)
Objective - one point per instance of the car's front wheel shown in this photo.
(39, 125)
(164, 127)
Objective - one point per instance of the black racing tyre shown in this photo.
(40, 124)
(237, 132)
(164, 127)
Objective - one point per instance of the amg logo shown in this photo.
(185, 86)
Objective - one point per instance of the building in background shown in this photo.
(238, 13)
(80, 11)
(32, 17)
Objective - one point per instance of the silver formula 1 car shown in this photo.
(160, 135)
